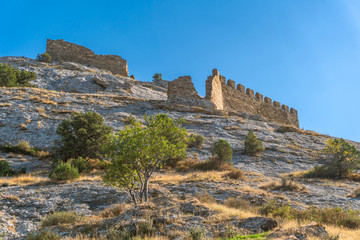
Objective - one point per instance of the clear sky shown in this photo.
(305, 54)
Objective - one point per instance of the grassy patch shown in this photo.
(261, 236)
(59, 218)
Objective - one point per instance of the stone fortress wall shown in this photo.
(226, 96)
(63, 51)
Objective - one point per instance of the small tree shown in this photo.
(83, 135)
(157, 77)
(136, 152)
(132, 76)
(343, 158)
(45, 57)
(12, 77)
(253, 146)
(222, 150)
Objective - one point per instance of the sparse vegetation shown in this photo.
(132, 76)
(81, 164)
(23, 147)
(83, 135)
(12, 77)
(343, 160)
(44, 57)
(43, 235)
(285, 185)
(136, 152)
(114, 211)
(130, 120)
(5, 169)
(59, 218)
(223, 151)
(196, 140)
(253, 146)
(235, 174)
(157, 77)
(197, 233)
(64, 171)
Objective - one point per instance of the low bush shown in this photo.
(343, 160)
(336, 216)
(214, 163)
(114, 211)
(12, 77)
(285, 185)
(196, 140)
(235, 174)
(44, 57)
(197, 233)
(253, 146)
(222, 150)
(64, 171)
(83, 135)
(43, 235)
(59, 218)
(205, 198)
(238, 203)
(81, 164)
(5, 169)
(129, 120)
(23, 147)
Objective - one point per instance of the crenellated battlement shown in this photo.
(226, 96)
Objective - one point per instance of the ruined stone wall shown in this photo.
(226, 97)
(182, 87)
(63, 51)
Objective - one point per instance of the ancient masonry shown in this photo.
(228, 97)
(63, 51)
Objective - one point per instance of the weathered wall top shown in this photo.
(63, 51)
(182, 87)
(227, 96)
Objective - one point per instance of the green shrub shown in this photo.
(222, 150)
(83, 135)
(12, 77)
(58, 218)
(64, 171)
(253, 146)
(343, 159)
(45, 57)
(132, 76)
(5, 169)
(81, 164)
(196, 140)
(157, 77)
(43, 235)
(197, 233)
(129, 120)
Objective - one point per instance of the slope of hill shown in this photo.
(33, 114)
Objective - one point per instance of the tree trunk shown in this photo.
(146, 189)
(133, 197)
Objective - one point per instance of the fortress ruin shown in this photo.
(63, 51)
(226, 96)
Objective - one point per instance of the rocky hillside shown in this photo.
(33, 114)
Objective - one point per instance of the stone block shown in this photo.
(250, 92)
(231, 83)
(241, 88)
(259, 96)
(276, 104)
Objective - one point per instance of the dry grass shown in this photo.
(5, 104)
(24, 180)
(229, 128)
(284, 185)
(114, 211)
(225, 213)
(355, 193)
(174, 178)
(205, 198)
(235, 174)
(12, 198)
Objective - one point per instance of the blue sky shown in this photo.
(305, 54)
